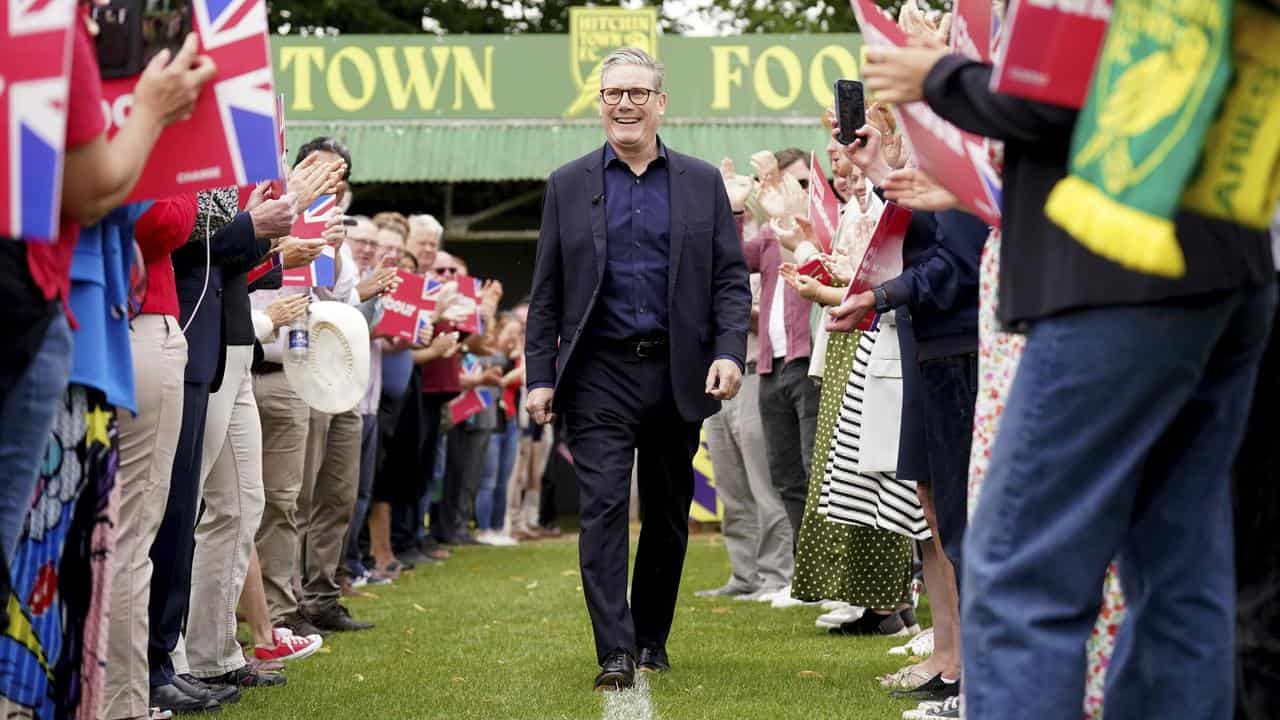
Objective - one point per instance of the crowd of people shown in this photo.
(1078, 559)
(177, 461)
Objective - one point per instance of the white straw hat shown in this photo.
(335, 376)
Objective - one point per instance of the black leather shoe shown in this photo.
(300, 625)
(195, 687)
(248, 677)
(617, 672)
(336, 618)
(654, 660)
(169, 697)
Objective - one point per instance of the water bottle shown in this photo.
(299, 338)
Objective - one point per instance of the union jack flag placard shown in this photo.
(232, 138)
(34, 69)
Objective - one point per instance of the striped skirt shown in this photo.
(870, 499)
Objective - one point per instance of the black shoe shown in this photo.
(872, 623)
(617, 672)
(463, 538)
(935, 689)
(654, 661)
(248, 677)
(169, 697)
(337, 618)
(300, 625)
(194, 686)
(413, 556)
(909, 621)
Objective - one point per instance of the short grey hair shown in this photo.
(425, 223)
(634, 56)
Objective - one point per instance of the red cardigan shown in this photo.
(163, 228)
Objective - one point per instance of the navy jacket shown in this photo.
(708, 295)
(234, 250)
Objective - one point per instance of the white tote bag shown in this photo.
(882, 402)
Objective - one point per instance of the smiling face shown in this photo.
(390, 245)
(628, 126)
(363, 239)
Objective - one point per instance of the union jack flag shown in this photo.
(310, 225)
(472, 401)
(34, 68)
(232, 136)
(322, 272)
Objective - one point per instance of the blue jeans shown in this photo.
(26, 419)
(352, 558)
(1117, 440)
(491, 501)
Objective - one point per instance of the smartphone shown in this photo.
(131, 32)
(851, 110)
(349, 221)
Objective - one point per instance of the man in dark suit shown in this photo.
(637, 330)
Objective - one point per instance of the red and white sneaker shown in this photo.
(288, 646)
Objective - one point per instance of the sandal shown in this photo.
(908, 678)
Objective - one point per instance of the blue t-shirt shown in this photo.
(396, 369)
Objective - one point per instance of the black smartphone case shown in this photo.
(851, 113)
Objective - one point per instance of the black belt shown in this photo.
(642, 348)
(266, 367)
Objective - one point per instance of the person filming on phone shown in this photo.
(637, 330)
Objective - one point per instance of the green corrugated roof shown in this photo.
(438, 152)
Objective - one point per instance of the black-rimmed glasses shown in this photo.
(638, 95)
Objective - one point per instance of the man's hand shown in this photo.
(917, 190)
(286, 308)
(335, 233)
(737, 186)
(846, 316)
(491, 295)
(312, 178)
(167, 91)
(261, 193)
(724, 379)
(867, 154)
(272, 218)
(896, 75)
(298, 253)
(538, 405)
(382, 281)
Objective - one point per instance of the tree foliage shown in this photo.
(720, 17)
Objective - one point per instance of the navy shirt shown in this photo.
(633, 296)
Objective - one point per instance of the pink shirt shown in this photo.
(764, 256)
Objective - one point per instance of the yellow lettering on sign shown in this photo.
(301, 58)
(466, 72)
(341, 95)
(821, 84)
(790, 64)
(724, 75)
(420, 82)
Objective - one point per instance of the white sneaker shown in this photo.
(920, 646)
(485, 538)
(838, 617)
(829, 605)
(767, 595)
(923, 709)
(783, 600)
(503, 540)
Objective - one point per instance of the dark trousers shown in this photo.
(352, 563)
(1257, 515)
(615, 405)
(174, 548)
(464, 466)
(406, 517)
(789, 410)
(950, 391)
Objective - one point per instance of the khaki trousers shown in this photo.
(147, 445)
(330, 486)
(284, 448)
(524, 488)
(231, 481)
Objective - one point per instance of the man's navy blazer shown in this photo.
(708, 294)
(233, 249)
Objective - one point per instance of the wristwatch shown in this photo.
(882, 300)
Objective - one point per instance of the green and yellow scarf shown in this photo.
(1184, 111)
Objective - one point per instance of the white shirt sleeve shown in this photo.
(263, 328)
